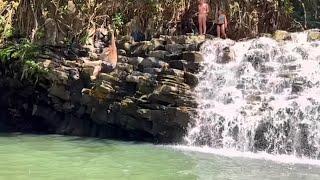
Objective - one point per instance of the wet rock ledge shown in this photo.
(149, 96)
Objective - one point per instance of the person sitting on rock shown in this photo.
(222, 24)
(203, 14)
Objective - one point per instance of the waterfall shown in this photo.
(267, 98)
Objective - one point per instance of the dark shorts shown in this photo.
(107, 67)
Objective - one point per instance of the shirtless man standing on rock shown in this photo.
(203, 13)
(107, 59)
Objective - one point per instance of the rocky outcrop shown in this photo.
(314, 35)
(280, 35)
(149, 96)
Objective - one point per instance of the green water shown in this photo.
(59, 157)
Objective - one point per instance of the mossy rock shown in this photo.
(314, 35)
(280, 35)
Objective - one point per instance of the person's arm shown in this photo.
(113, 41)
(207, 9)
(225, 22)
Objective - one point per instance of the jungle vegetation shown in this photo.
(76, 20)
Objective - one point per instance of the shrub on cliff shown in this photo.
(19, 59)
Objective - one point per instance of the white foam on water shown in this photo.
(282, 159)
(267, 99)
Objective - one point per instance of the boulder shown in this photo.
(167, 89)
(145, 82)
(128, 106)
(135, 124)
(122, 52)
(192, 47)
(314, 35)
(171, 57)
(174, 48)
(172, 123)
(280, 35)
(174, 72)
(302, 51)
(297, 87)
(144, 113)
(123, 59)
(265, 35)
(137, 77)
(160, 54)
(161, 99)
(187, 101)
(226, 55)
(86, 99)
(135, 61)
(184, 39)
(185, 65)
(146, 87)
(170, 78)
(60, 92)
(152, 62)
(124, 67)
(49, 63)
(108, 77)
(103, 91)
(59, 76)
(192, 56)
(178, 64)
(157, 44)
(100, 115)
(191, 79)
(126, 46)
(140, 49)
(152, 70)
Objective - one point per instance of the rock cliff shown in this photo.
(149, 96)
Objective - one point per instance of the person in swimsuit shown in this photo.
(222, 24)
(107, 60)
(203, 13)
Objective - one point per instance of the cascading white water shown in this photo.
(268, 99)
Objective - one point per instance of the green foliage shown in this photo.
(2, 20)
(6, 30)
(33, 71)
(8, 33)
(86, 15)
(118, 20)
(288, 7)
(5, 53)
(23, 55)
(84, 38)
(40, 34)
(25, 50)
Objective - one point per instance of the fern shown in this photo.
(23, 54)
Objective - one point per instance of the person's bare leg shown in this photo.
(204, 24)
(218, 31)
(200, 25)
(96, 72)
(223, 31)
